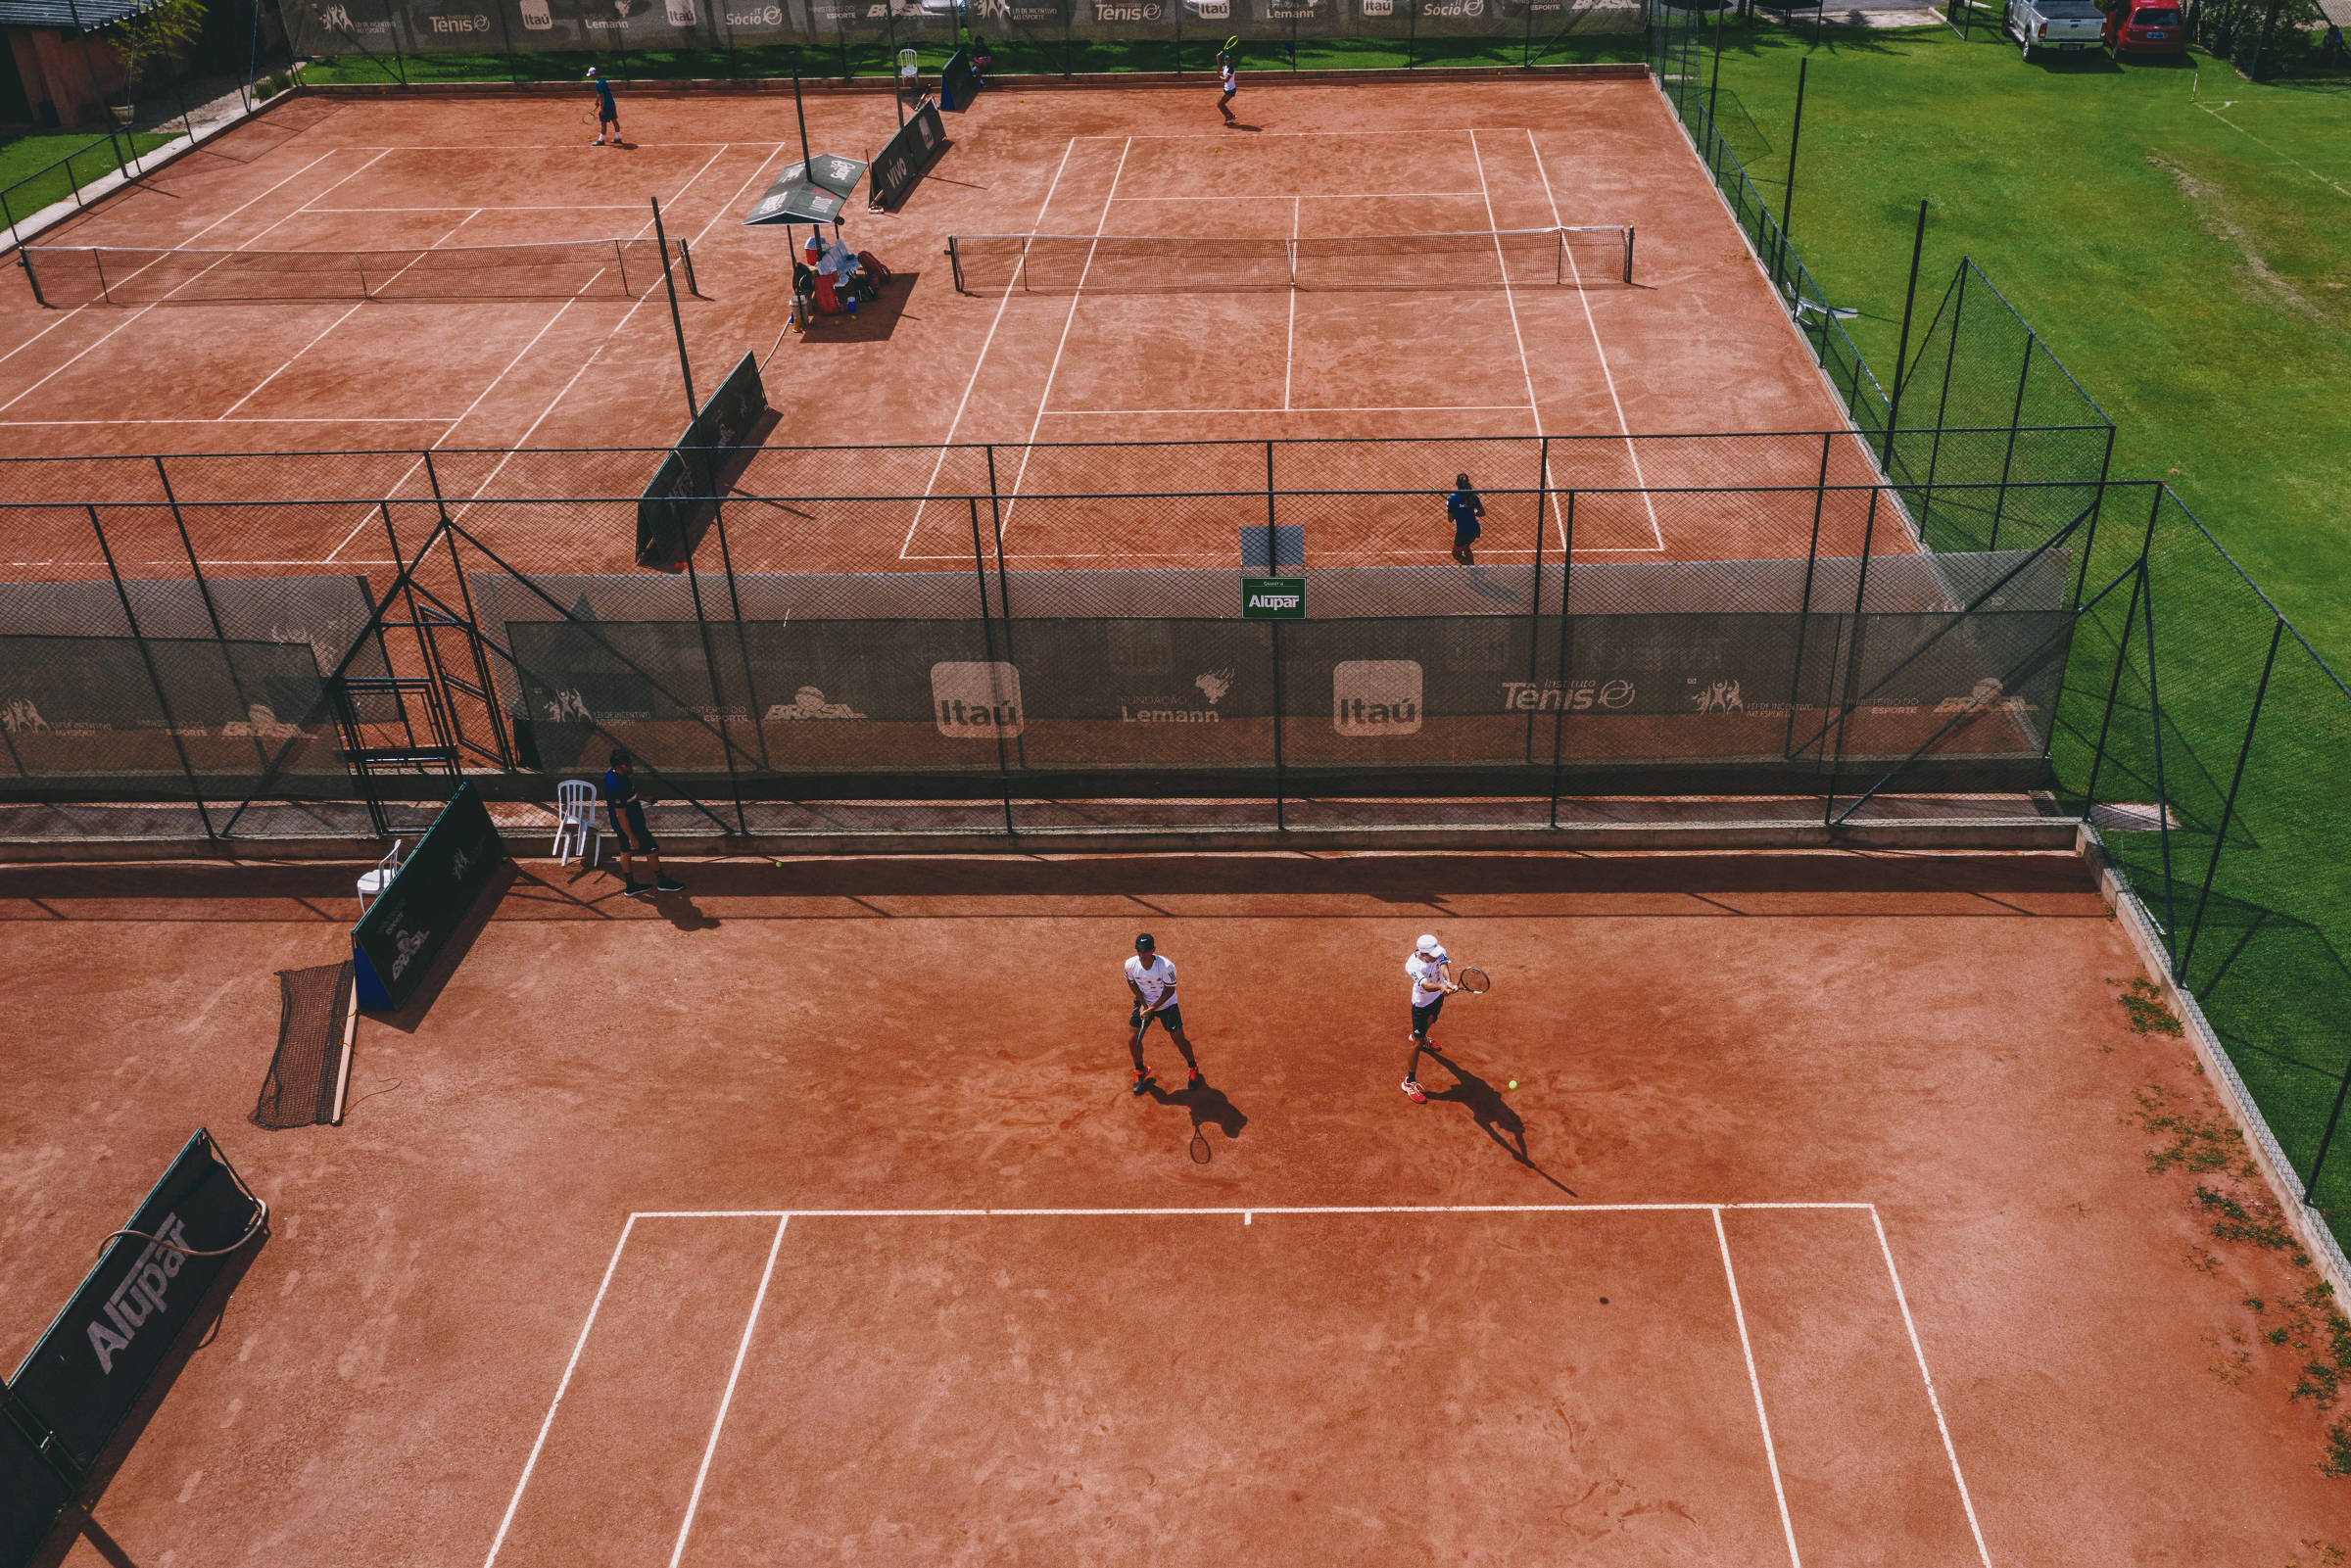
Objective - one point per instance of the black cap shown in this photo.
(1144, 940)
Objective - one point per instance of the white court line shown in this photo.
(1289, 344)
(1510, 299)
(519, 207)
(948, 441)
(1903, 1299)
(1433, 408)
(1303, 196)
(581, 1343)
(200, 233)
(718, 1424)
(1599, 348)
(246, 243)
(369, 516)
(249, 419)
(1045, 398)
(256, 390)
(1770, 1455)
(1263, 135)
(1257, 1209)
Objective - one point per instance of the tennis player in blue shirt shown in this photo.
(627, 813)
(1466, 509)
(607, 113)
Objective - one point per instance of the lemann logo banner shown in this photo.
(82, 1379)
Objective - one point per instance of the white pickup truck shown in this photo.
(2061, 25)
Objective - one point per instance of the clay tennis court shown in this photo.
(808, 1220)
(1464, 368)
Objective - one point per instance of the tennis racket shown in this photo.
(1233, 43)
(588, 116)
(1200, 1153)
(1474, 981)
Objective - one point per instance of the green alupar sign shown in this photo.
(1272, 598)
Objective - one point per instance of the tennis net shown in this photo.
(63, 276)
(1583, 256)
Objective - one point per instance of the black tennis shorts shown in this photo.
(1169, 1017)
(1423, 1017)
(635, 812)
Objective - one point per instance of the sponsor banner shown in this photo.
(1272, 598)
(404, 931)
(86, 707)
(905, 155)
(89, 1370)
(677, 499)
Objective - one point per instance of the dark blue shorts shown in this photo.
(1170, 1019)
(1424, 1018)
(636, 839)
(1467, 536)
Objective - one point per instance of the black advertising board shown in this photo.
(89, 1370)
(406, 928)
(672, 504)
(904, 158)
(31, 1495)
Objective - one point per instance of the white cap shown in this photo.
(1429, 944)
(590, 77)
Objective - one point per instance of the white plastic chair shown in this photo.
(577, 832)
(372, 884)
(910, 71)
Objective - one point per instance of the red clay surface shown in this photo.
(594, 1273)
(1695, 344)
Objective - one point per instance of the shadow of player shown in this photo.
(1495, 1117)
(1207, 1107)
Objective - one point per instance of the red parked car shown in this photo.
(2145, 27)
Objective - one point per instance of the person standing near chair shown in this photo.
(627, 812)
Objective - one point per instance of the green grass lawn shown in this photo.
(2182, 240)
(37, 170)
(2180, 237)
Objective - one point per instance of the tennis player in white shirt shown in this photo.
(1152, 980)
(1432, 982)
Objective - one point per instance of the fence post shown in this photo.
(1852, 655)
(718, 697)
(2163, 793)
(154, 677)
(988, 638)
(1273, 568)
(1804, 605)
(2229, 806)
(211, 612)
(2097, 507)
(2327, 1139)
(1559, 726)
(1943, 408)
(1272, 542)
(1902, 354)
(1411, 35)
(1534, 607)
(2016, 418)
(2122, 658)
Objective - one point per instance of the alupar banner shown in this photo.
(31, 1495)
(88, 1371)
(404, 931)
(672, 505)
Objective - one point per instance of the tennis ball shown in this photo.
(1513, 1083)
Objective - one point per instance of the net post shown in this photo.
(686, 258)
(98, 263)
(1628, 255)
(955, 264)
(620, 258)
(1559, 261)
(31, 278)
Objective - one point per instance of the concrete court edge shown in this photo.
(2139, 923)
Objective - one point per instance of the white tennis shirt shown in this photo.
(1423, 968)
(1154, 979)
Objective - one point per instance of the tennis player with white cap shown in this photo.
(1432, 982)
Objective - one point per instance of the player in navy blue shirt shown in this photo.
(607, 113)
(627, 813)
(1466, 509)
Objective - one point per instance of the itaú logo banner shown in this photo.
(1375, 696)
(977, 700)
